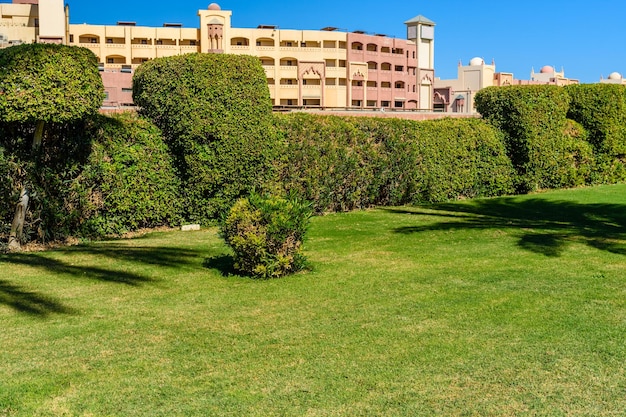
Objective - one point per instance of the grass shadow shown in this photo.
(116, 263)
(224, 264)
(30, 302)
(543, 226)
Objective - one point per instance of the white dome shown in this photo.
(615, 76)
(547, 70)
(475, 62)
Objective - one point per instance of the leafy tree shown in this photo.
(44, 84)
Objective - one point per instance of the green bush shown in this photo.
(97, 177)
(601, 110)
(216, 115)
(345, 163)
(129, 181)
(534, 122)
(266, 235)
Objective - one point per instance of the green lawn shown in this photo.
(502, 307)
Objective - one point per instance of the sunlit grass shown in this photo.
(513, 306)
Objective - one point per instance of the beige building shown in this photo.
(305, 68)
(28, 21)
(457, 95)
(614, 78)
(317, 68)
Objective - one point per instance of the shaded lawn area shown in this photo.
(508, 306)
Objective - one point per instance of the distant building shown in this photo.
(457, 95)
(317, 68)
(614, 78)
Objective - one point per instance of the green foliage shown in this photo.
(342, 163)
(216, 115)
(129, 181)
(601, 109)
(47, 82)
(534, 122)
(91, 178)
(266, 235)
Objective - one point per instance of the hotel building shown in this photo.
(317, 68)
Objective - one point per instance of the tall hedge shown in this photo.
(601, 109)
(343, 163)
(534, 122)
(216, 115)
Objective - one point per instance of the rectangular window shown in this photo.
(109, 40)
(127, 90)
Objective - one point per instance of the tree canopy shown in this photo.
(49, 83)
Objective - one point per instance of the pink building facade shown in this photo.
(382, 73)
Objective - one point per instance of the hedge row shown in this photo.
(343, 163)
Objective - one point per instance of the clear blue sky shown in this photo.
(586, 38)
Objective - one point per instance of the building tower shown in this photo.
(52, 22)
(214, 25)
(422, 31)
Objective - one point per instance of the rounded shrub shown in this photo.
(266, 235)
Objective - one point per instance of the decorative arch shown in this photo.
(427, 79)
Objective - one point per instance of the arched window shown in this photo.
(240, 42)
(357, 46)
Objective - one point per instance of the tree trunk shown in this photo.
(17, 226)
(38, 134)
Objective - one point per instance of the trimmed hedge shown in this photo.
(216, 115)
(342, 163)
(601, 110)
(129, 181)
(97, 177)
(534, 122)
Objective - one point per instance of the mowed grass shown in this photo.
(497, 307)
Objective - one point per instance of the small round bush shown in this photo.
(266, 235)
